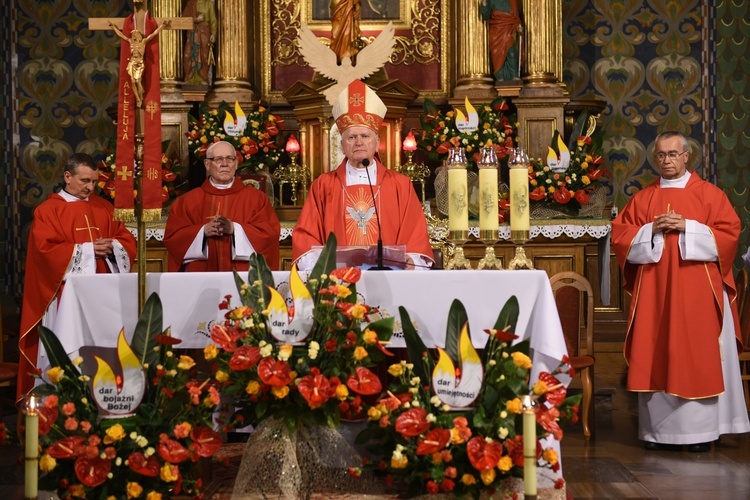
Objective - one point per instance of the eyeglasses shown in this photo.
(672, 155)
(222, 159)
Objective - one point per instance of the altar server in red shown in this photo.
(341, 201)
(219, 225)
(72, 233)
(676, 241)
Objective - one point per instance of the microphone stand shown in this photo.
(379, 259)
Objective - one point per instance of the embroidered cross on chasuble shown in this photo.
(361, 222)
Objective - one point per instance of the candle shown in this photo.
(458, 199)
(519, 197)
(488, 199)
(32, 450)
(529, 447)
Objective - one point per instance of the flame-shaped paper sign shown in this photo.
(119, 393)
(291, 327)
(235, 127)
(561, 164)
(458, 390)
(464, 124)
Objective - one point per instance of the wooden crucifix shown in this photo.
(138, 156)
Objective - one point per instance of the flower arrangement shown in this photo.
(90, 450)
(430, 447)
(315, 380)
(570, 174)
(253, 134)
(440, 131)
(173, 176)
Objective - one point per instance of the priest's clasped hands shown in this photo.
(103, 248)
(669, 221)
(219, 226)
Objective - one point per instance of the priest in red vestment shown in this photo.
(341, 201)
(73, 232)
(676, 241)
(219, 225)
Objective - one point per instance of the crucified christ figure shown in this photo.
(137, 51)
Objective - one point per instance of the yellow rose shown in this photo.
(505, 464)
(342, 392)
(342, 292)
(585, 179)
(210, 352)
(533, 182)
(114, 434)
(185, 363)
(488, 476)
(468, 479)
(551, 189)
(47, 463)
(134, 490)
(55, 374)
(239, 312)
(396, 369)
(252, 387)
(169, 473)
(521, 360)
(370, 337)
(77, 491)
(514, 406)
(539, 388)
(280, 392)
(284, 352)
(399, 462)
(152, 495)
(222, 376)
(550, 456)
(585, 165)
(358, 311)
(204, 139)
(373, 413)
(360, 353)
(244, 140)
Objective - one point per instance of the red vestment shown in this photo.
(401, 218)
(242, 204)
(677, 306)
(57, 227)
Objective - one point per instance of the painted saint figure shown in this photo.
(504, 22)
(198, 54)
(345, 32)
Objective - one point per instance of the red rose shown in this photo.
(562, 196)
(483, 455)
(412, 422)
(582, 197)
(432, 487)
(447, 485)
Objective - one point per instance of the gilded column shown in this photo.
(471, 52)
(170, 45)
(542, 44)
(233, 59)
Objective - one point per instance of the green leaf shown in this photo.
(457, 318)
(383, 327)
(260, 272)
(56, 353)
(325, 264)
(578, 130)
(148, 327)
(508, 317)
(414, 346)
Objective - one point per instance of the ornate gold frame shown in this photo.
(427, 19)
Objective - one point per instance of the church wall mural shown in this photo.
(658, 64)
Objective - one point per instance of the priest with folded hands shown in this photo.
(219, 225)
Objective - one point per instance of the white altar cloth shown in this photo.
(93, 308)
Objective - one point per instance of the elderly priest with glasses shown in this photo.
(676, 242)
(361, 201)
(219, 225)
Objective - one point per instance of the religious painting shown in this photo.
(373, 13)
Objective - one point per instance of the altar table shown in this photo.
(93, 308)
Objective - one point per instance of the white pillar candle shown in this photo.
(529, 447)
(519, 199)
(458, 199)
(488, 220)
(32, 453)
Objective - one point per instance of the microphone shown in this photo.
(379, 259)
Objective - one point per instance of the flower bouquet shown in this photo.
(253, 134)
(457, 428)
(567, 182)
(139, 427)
(293, 371)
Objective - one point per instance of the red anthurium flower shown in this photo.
(365, 383)
(138, 462)
(315, 389)
(500, 106)
(167, 339)
(275, 373)
(562, 196)
(538, 194)
(250, 147)
(557, 395)
(65, 448)
(582, 197)
(172, 451)
(347, 274)
(92, 471)
(47, 417)
(412, 422)
(434, 441)
(483, 455)
(504, 203)
(502, 335)
(168, 175)
(271, 128)
(225, 337)
(444, 148)
(206, 441)
(244, 357)
(547, 418)
(595, 173)
(515, 450)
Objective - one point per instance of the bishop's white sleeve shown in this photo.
(242, 249)
(119, 261)
(197, 249)
(647, 247)
(83, 261)
(697, 243)
(420, 261)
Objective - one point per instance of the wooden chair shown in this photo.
(575, 304)
(743, 308)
